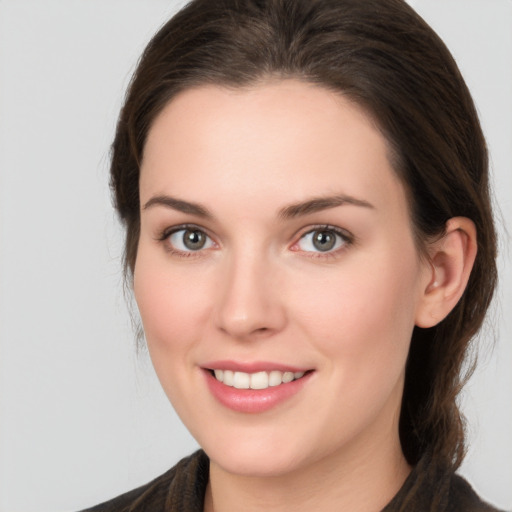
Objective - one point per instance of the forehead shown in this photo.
(276, 139)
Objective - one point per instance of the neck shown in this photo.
(341, 481)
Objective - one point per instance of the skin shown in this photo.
(260, 291)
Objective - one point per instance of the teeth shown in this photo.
(287, 377)
(228, 378)
(259, 380)
(275, 378)
(241, 380)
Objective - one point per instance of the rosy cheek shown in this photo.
(352, 312)
(169, 302)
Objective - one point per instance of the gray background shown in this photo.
(82, 417)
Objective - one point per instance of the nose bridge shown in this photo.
(248, 302)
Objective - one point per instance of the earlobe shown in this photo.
(451, 261)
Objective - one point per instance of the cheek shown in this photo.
(364, 311)
(362, 323)
(170, 303)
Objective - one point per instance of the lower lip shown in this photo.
(253, 400)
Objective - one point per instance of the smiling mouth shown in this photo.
(257, 380)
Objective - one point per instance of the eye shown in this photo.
(189, 240)
(322, 240)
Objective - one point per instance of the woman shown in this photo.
(310, 238)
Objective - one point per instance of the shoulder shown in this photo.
(434, 487)
(183, 485)
(463, 498)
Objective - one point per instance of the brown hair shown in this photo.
(383, 56)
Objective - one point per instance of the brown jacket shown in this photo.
(182, 489)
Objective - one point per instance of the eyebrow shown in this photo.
(179, 205)
(291, 211)
(317, 204)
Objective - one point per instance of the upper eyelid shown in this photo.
(165, 233)
(345, 234)
(348, 240)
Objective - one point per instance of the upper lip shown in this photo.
(252, 367)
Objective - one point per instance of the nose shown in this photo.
(249, 301)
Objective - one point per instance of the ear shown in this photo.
(451, 260)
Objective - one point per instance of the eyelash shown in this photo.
(167, 233)
(347, 240)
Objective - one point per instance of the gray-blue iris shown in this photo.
(324, 240)
(194, 239)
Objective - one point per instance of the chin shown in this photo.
(257, 466)
(271, 460)
(255, 459)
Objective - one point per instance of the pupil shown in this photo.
(194, 240)
(324, 240)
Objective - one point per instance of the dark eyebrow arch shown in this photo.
(179, 205)
(317, 204)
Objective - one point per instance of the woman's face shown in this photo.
(276, 244)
